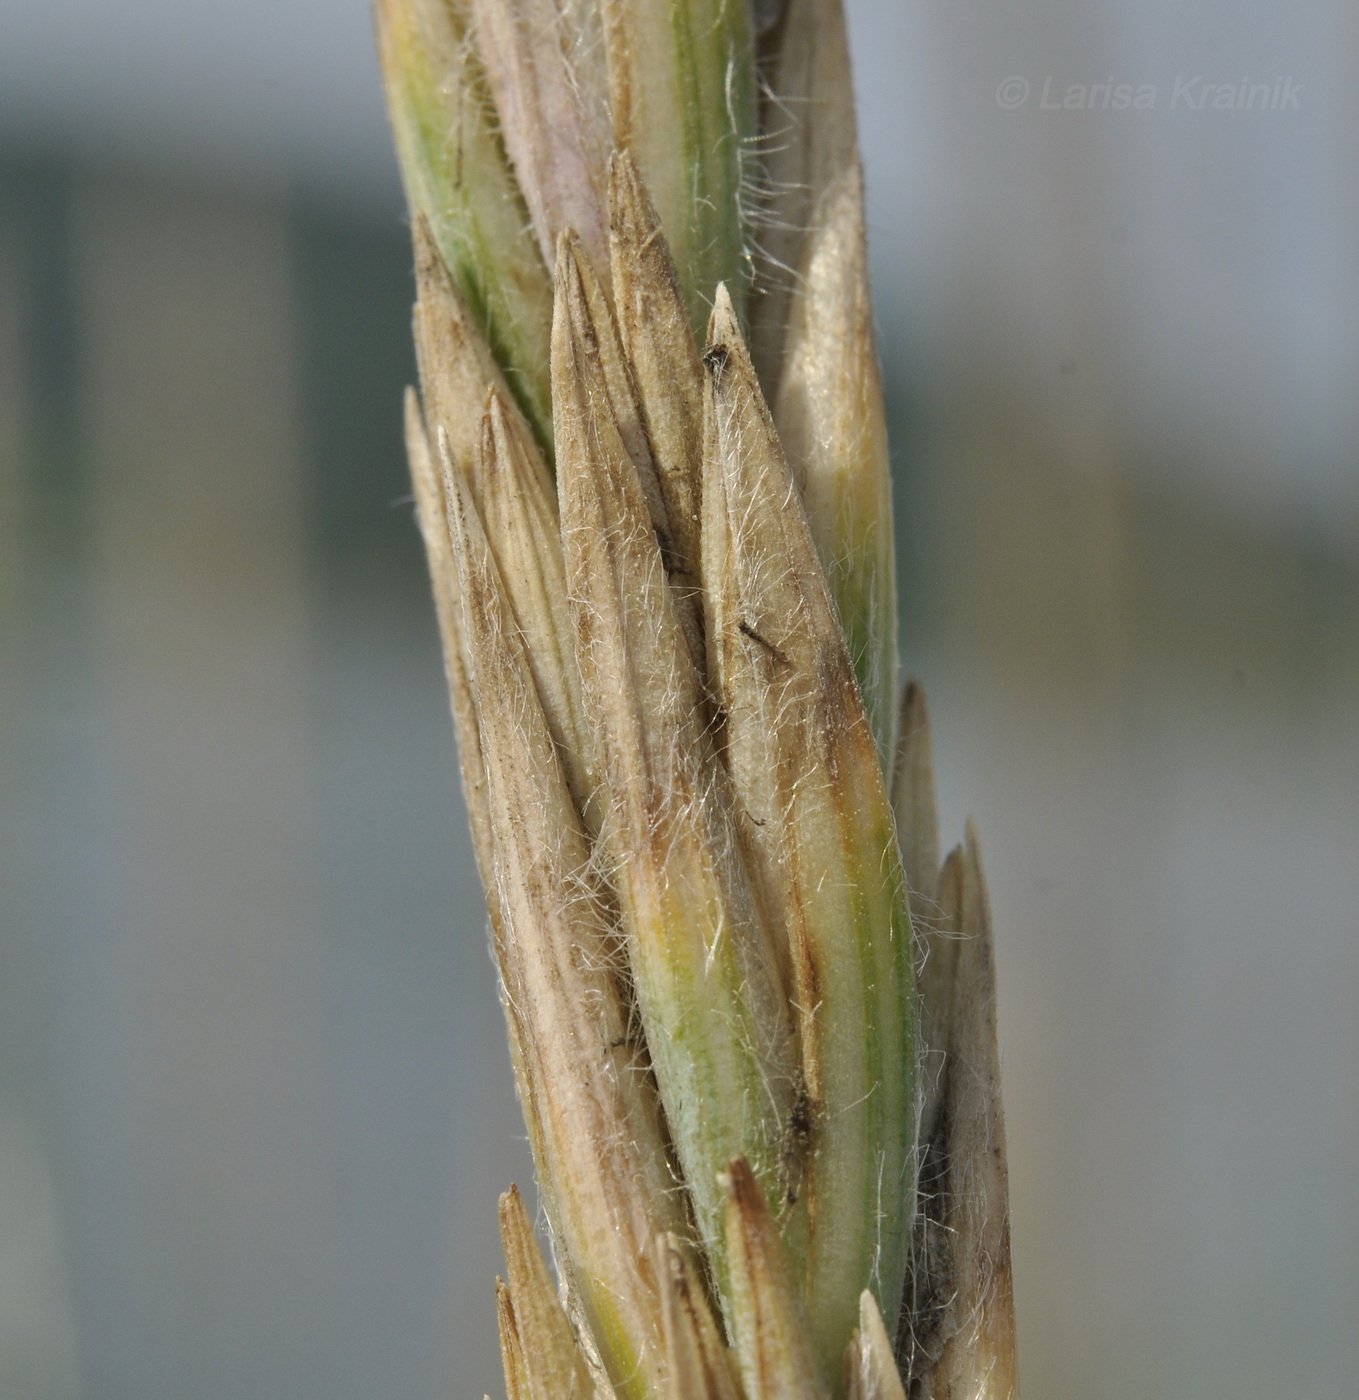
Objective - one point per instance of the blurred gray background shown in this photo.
(254, 1105)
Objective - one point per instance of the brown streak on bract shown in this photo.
(747, 630)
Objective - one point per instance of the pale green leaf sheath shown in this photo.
(457, 176)
(683, 98)
(600, 1148)
(705, 977)
(820, 842)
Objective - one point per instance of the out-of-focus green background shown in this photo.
(254, 1105)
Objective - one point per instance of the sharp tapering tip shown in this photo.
(913, 706)
(511, 1204)
(487, 443)
(417, 438)
(430, 267)
(563, 256)
(495, 431)
(630, 207)
(571, 299)
(624, 178)
(724, 330)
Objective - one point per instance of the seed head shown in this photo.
(669, 628)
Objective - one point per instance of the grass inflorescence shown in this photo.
(751, 1016)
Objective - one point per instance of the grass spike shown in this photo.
(702, 816)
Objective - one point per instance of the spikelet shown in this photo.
(871, 1365)
(682, 90)
(600, 1151)
(548, 1362)
(700, 1366)
(702, 963)
(458, 178)
(651, 473)
(773, 1339)
(821, 844)
(958, 1340)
